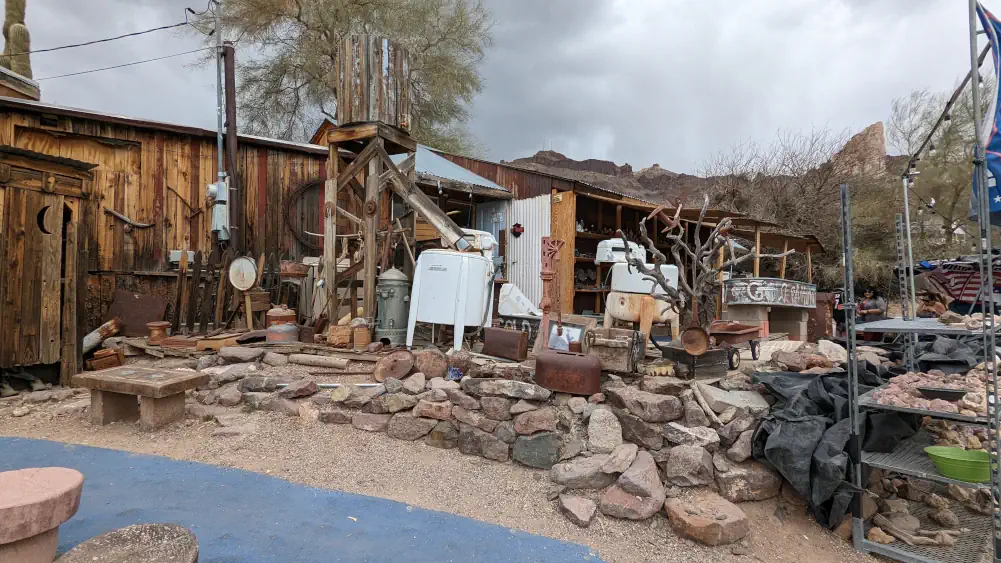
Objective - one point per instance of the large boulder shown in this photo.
(701, 436)
(405, 426)
(238, 354)
(733, 429)
(444, 435)
(539, 420)
(793, 361)
(578, 510)
(604, 433)
(474, 418)
(460, 399)
(583, 473)
(229, 396)
(497, 408)
(505, 388)
(742, 447)
(707, 519)
(747, 482)
(694, 415)
(371, 422)
(619, 503)
(391, 403)
(474, 441)
(620, 459)
(540, 450)
(719, 400)
(274, 403)
(221, 375)
(414, 384)
(648, 406)
(298, 388)
(663, 385)
(832, 351)
(642, 477)
(635, 430)
(504, 431)
(689, 466)
(428, 409)
(360, 396)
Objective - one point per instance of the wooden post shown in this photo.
(782, 266)
(719, 278)
(809, 266)
(618, 217)
(330, 189)
(371, 230)
(757, 251)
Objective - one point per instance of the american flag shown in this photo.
(962, 279)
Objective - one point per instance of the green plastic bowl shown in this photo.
(971, 466)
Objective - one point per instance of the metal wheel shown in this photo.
(734, 358)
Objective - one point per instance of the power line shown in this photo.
(124, 65)
(105, 40)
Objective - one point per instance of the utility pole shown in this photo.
(236, 215)
(221, 172)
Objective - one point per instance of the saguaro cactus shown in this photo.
(17, 40)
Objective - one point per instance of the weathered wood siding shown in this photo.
(159, 177)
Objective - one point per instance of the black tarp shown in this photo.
(805, 435)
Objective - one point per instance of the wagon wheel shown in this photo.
(734, 358)
(755, 345)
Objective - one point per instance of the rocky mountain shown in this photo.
(654, 184)
(865, 152)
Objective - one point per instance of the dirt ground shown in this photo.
(344, 458)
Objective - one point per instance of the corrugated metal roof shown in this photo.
(432, 166)
(151, 124)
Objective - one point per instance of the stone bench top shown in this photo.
(145, 382)
(142, 543)
(36, 500)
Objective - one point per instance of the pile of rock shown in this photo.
(625, 452)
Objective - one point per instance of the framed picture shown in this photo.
(574, 327)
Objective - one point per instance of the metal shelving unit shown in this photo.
(908, 458)
(983, 543)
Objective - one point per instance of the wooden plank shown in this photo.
(757, 251)
(563, 227)
(118, 226)
(31, 275)
(371, 247)
(159, 229)
(195, 193)
(68, 365)
(192, 292)
(206, 298)
(782, 265)
(51, 264)
(217, 317)
(809, 266)
(182, 272)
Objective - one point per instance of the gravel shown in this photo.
(507, 494)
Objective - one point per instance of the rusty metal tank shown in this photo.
(280, 315)
(282, 333)
(568, 372)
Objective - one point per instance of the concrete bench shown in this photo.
(113, 394)
(142, 543)
(33, 503)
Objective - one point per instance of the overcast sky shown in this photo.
(637, 81)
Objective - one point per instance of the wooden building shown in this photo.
(149, 180)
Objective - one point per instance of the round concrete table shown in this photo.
(142, 543)
(33, 503)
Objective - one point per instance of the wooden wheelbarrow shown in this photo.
(729, 334)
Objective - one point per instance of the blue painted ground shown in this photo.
(243, 517)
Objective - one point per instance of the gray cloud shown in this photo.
(638, 81)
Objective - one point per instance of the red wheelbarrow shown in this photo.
(729, 334)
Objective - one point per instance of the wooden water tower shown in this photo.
(373, 121)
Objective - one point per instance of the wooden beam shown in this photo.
(355, 132)
(349, 216)
(809, 266)
(782, 266)
(330, 190)
(757, 251)
(358, 164)
(371, 225)
(618, 217)
(356, 188)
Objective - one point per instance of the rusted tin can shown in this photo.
(568, 372)
(282, 333)
(280, 316)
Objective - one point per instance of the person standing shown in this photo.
(873, 307)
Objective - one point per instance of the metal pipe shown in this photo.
(854, 445)
(986, 283)
(218, 90)
(335, 385)
(909, 270)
